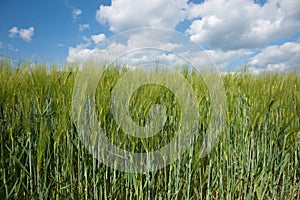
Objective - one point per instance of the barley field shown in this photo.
(42, 156)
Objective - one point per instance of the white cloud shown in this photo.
(234, 30)
(1, 45)
(98, 38)
(81, 53)
(83, 27)
(75, 13)
(238, 24)
(13, 32)
(25, 34)
(277, 58)
(224, 59)
(152, 45)
(127, 14)
(222, 24)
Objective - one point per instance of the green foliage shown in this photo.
(257, 156)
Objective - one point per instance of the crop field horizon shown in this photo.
(257, 155)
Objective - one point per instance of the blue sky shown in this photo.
(56, 27)
(265, 35)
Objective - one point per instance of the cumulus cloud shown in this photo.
(83, 27)
(150, 46)
(98, 38)
(75, 13)
(25, 34)
(13, 32)
(223, 24)
(127, 14)
(80, 53)
(277, 58)
(132, 57)
(238, 24)
(128, 45)
(233, 30)
(224, 59)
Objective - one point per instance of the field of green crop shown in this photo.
(42, 157)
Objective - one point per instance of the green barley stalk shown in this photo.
(42, 157)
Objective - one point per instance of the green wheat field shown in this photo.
(42, 156)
